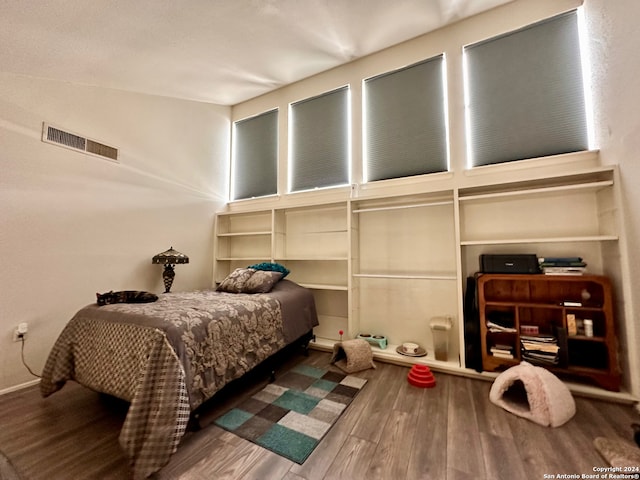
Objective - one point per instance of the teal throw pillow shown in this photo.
(271, 267)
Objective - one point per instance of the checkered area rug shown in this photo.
(291, 415)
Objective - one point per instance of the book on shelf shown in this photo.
(540, 349)
(541, 359)
(502, 350)
(496, 327)
(563, 270)
(568, 303)
(538, 338)
(529, 329)
(562, 265)
(561, 261)
(502, 355)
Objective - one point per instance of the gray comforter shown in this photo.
(168, 357)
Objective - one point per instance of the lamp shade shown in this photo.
(170, 257)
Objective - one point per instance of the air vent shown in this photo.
(51, 134)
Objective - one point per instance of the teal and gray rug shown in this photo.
(291, 415)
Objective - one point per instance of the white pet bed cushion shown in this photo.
(533, 393)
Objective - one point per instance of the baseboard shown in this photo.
(579, 389)
(21, 386)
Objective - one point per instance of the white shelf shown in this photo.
(390, 355)
(320, 286)
(243, 234)
(319, 232)
(537, 191)
(242, 259)
(506, 241)
(403, 207)
(311, 259)
(407, 277)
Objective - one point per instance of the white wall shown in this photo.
(614, 40)
(72, 225)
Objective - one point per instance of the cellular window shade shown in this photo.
(525, 93)
(405, 122)
(320, 141)
(256, 156)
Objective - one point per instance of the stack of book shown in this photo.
(541, 349)
(562, 265)
(502, 351)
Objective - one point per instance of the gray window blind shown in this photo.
(255, 163)
(525, 93)
(320, 141)
(405, 122)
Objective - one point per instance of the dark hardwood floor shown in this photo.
(392, 431)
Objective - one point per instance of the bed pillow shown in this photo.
(236, 280)
(271, 267)
(261, 282)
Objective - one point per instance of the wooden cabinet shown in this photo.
(557, 309)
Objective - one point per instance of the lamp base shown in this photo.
(167, 276)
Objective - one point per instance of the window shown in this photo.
(255, 158)
(319, 141)
(405, 122)
(524, 93)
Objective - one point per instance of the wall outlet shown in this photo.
(20, 333)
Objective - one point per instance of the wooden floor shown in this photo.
(392, 431)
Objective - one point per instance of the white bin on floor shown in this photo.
(440, 328)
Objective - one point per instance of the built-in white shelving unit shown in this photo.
(569, 216)
(385, 260)
(404, 269)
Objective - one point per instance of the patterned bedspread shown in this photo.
(168, 357)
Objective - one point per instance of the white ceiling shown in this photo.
(219, 51)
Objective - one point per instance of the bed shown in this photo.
(168, 357)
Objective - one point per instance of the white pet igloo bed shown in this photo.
(533, 393)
